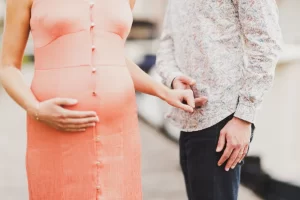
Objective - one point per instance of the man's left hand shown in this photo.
(236, 136)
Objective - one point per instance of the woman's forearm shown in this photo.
(15, 36)
(13, 82)
(144, 83)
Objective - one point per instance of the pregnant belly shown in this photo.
(109, 90)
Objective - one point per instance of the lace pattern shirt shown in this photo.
(230, 47)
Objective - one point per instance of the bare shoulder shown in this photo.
(132, 2)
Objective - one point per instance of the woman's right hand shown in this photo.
(52, 113)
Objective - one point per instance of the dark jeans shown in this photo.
(204, 179)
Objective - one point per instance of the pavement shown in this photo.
(162, 178)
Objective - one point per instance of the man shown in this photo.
(226, 52)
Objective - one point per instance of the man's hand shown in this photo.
(236, 135)
(185, 83)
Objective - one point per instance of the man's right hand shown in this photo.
(185, 82)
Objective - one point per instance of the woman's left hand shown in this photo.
(177, 97)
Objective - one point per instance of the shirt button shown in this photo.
(93, 24)
(94, 69)
(92, 4)
(93, 47)
(98, 139)
(94, 93)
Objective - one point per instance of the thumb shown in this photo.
(189, 98)
(221, 142)
(187, 80)
(184, 107)
(65, 101)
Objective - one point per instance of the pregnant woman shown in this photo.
(83, 138)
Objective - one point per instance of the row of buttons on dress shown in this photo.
(98, 162)
(92, 25)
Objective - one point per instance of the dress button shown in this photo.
(93, 47)
(98, 189)
(92, 3)
(94, 69)
(99, 163)
(93, 24)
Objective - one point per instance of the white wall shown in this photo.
(290, 20)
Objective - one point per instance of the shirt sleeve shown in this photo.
(262, 38)
(166, 65)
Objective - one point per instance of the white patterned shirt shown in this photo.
(230, 47)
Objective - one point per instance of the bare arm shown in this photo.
(15, 36)
(50, 112)
(132, 3)
(145, 84)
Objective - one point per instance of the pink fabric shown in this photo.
(103, 162)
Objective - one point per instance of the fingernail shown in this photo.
(74, 100)
(94, 124)
(219, 164)
(232, 167)
(227, 169)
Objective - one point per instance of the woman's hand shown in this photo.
(185, 82)
(177, 97)
(52, 113)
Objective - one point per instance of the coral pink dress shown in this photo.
(79, 53)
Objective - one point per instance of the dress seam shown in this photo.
(56, 38)
(86, 65)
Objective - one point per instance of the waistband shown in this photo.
(81, 49)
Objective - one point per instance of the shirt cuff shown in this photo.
(171, 77)
(246, 113)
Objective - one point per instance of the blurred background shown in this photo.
(272, 169)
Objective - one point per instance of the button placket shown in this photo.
(92, 3)
(98, 162)
(98, 188)
(93, 47)
(98, 139)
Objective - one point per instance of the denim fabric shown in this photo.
(204, 179)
